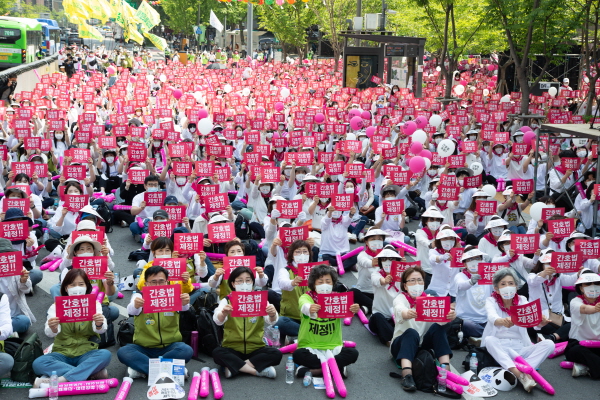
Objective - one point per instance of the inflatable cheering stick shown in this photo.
(520, 362)
(337, 376)
(124, 389)
(559, 349)
(216, 384)
(340, 264)
(194, 387)
(204, 382)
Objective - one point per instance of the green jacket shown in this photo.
(156, 330)
(289, 300)
(244, 334)
(76, 339)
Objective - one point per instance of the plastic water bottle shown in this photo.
(55, 203)
(117, 279)
(442, 379)
(289, 371)
(473, 363)
(276, 336)
(307, 379)
(53, 389)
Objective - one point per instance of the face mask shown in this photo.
(301, 258)
(321, 147)
(240, 134)
(110, 160)
(519, 139)
(334, 178)
(59, 136)
(508, 292)
(323, 288)
(85, 255)
(447, 244)
(83, 145)
(269, 135)
(497, 231)
(472, 137)
(557, 163)
(180, 180)
(279, 149)
(486, 148)
(386, 265)
(76, 291)
(499, 151)
(461, 182)
(156, 143)
(349, 190)
(299, 177)
(375, 245)
(581, 154)
(473, 266)
(433, 225)
(336, 214)
(243, 287)
(120, 143)
(438, 140)
(323, 200)
(415, 290)
(153, 189)
(265, 189)
(163, 256)
(592, 291)
(192, 129)
(287, 172)
(432, 172)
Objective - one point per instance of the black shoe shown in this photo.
(408, 383)
(301, 371)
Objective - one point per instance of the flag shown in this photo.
(160, 43)
(89, 32)
(214, 21)
(100, 9)
(148, 15)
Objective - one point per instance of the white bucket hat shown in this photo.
(432, 212)
(588, 278)
(508, 191)
(84, 239)
(375, 232)
(495, 222)
(446, 233)
(471, 254)
(388, 253)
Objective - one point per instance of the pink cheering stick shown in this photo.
(409, 249)
(340, 264)
(455, 378)
(120, 295)
(363, 318)
(354, 252)
(581, 191)
(100, 297)
(567, 364)
(71, 389)
(54, 266)
(215, 255)
(535, 375)
(455, 387)
(194, 387)
(337, 377)
(45, 266)
(327, 377)
(590, 343)
(95, 290)
(216, 384)
(348, 321)
(140, 222)
(290, 348)
(122, 207)
(348, 343)
(204, 382)
(55, 177)
(233, 192)
(559, 349)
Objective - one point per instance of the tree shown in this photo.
(6, 6)
(234, 12)
(532, 27)
(288, 24)
(591, 51)
(181, 15)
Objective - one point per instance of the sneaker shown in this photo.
(411, 234)
(301, 371)
(352, 238)
(365, 310)
(186, 375)
(133, 374)
(475, 341)
(527, 382)
(14, 335)
(290, 339)
(361, 237)
(580, 370)
(41, 380)
(268, 372)
(99, 375)
(124, 224)
(408, 383)
(225, 372)
(30, 293)
(344, 372)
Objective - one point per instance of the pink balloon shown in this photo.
(416, 148)
(319, 118)
(356, 123)
(494, 78)
(421, 122)
(525, 129)
(365, 115)
(410, 127)
(426, 154)
(202, 113)
(490, 67)
(529, 138)
(463, 82)
(371, 131)
(279, 106)
(261, 109)
(132, 79)
(353, 113)
(416, 164)
(177, 93)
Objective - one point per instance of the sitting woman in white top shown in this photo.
(489, 242)
(504, 340)
(442, 279)
(410, 335)
(470, 295)
(474, 222)
(520, 264)
(585, 325)
(431, 220)
(366, 265)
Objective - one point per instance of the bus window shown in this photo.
(9, 36)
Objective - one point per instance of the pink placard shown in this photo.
(393, 207)
(335, 305)
(486, 207)
(432, 309)
(155, 199)
(161, 229)
(94, 267)
(487, 271)
(290, 235)
(175, 266)
(189, 243)
(231, 263)
(252, 304)
(561, 227)
(527, 315)
(588, 248)
(524, 243)
(11, 264)
(75, 308)
(566, 262)
(221, 233)
(75, 202)
(166, 298)
(217, 202)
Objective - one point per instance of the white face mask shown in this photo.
(265, 189)
(119, 143)
(415, 290)
(269, 135)
(323, 288)
(156, 143)
(301, 258)
(85, 255)
(497, 231)
(299, 177)
(287, 172)
(438, 140)
(181, 180)
(581, 154)
(472, 266)
(59, 136)
(433, 225)
(557, 163)
(592, 291)
(349, 190)
(506, 248)
(110, 160)
(76, 291)
(432, 172)
(519, 139)
(473, 137)
(243, 287)
(336, 214)
(486, 148)
(82, 145)
(279, 149)
(375, 245)
(192, 129)
(240, 134)
(321, 146)
(508, 292)
(163, 256)
(386, 265)
(334, 178)
(323, 200)
(447, 244)
(499, 151)
(153, 189)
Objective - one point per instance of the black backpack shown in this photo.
(105, 213)
(125, 332)
(209, 334)
(28, 351)
(187, 325)
(452, 328)
(208, 300)
(424, 371)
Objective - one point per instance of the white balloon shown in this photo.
(552, 91)
(505, 98)
(579, 142)
(205, 125)
(446, 147)
(150, 78)
(285, 92)
(476, 167)
(486, 92)
(246, 92)
(438, 68)
(427, 162)
(419, 136)
(162, 78)
(586, 79)
(227, 88)
(490, 190)
(536, 210)
(459, 89)
(435, 120)
(197, 96)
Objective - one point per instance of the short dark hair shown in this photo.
(18, 191)
(151, 178)
(578, 287)
(70, 277)
(73, 184)
(296, 245)
(21, 176)
(232, 243)
(161, 243)
(155, 270)
(236, 273)
(320, 271)
(408, 272)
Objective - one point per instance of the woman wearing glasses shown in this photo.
(410, 335)
(243, 349)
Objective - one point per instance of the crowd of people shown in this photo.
(279, 163)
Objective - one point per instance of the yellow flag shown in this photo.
(100, 9)
(134, 34)
(148, 16)
(89, 32)
(75, 11)
(159, 42)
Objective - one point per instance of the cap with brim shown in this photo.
(84, 239)
(504, 238)
(310, 178)
(518, 133)
(90, 210)
(469, 171)
(546, 258)
(432, 212)
(498, 144)
(471, 254)
(171, 199)
(587, 278)
(86, 225)
(14, 214)
(283, 224)
(276, 198)
(496, 222)
(6, 246)
(480, 193)
(375, 232)
(388, 253)
(205, 178)
(160, 214)
(578, 235)
(508, 191)
(390, 188)
(217, 218)
(446, 233)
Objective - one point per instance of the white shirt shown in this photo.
(383, 300)
(423, 248)
(517, 335)
(538, 285)
(334, 237)
(583, 326)
(5, 318)
(146, 212)
(442, 279)
(365, 269)
(470, 299)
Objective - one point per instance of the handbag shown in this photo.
(556, 319)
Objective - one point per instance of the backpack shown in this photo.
(484, 359)
(424, 371)
(187, 325)
(209, 334)
(452, 328)
(252, 249)
(208, 300)
(106, 214)
(125, 332)
(28, 351)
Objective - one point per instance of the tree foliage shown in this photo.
(287, 23)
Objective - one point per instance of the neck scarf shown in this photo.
(442, 207)
(467, 273)
(500, 301)
(551, 282)
(411, 301)
(313, 295)
(490, 238)
(390, 285)
(430, 235)
(512, 259)
(371, 252)
(586, 302)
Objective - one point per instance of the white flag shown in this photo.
(214, 21)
